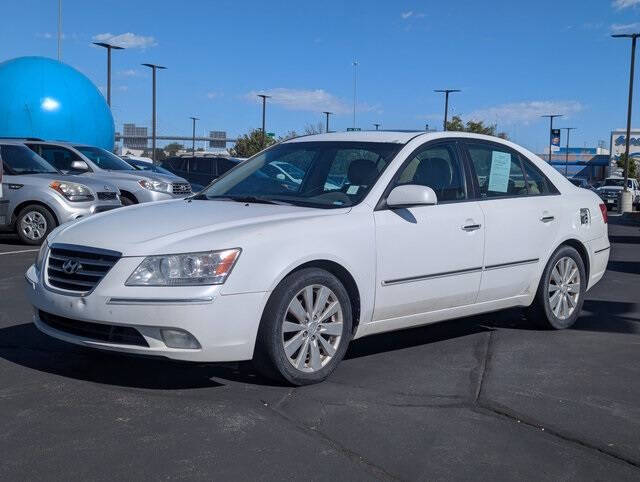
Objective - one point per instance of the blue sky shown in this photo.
(513, 60)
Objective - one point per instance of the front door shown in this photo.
(429, 258)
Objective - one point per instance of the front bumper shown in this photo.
(225, 326)
(67, 211)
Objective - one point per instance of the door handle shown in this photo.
(471, 227)
(547, 219)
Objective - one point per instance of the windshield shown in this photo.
(22, 160)
(147, 166)
(104, 159)
(616, 182)
(314, 174)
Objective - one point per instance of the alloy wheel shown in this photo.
(33, 225)
(564, 288)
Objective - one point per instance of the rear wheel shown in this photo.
(34, 223)
(305, 328)
(561, 291)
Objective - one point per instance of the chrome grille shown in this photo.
(181, 188)
(78, 269)
(107, 196)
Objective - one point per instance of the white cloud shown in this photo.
(123, 88)
(214, 95)
(127, 40)
(316, 100)
(406, 15)
(524, 112)
(625, 27)
(129, 73)
(621, 4)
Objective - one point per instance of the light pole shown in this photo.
(327, 114)
(59, 30)
(193, 139)
(153, 68)
(264, 98)
(566, 157)
(626, 201)
(109, 47)
(551, 117)
(377, 125)
(446, 93)
(355, 69)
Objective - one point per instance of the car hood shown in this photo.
(179, 226)
(610, 188)
(128, 176)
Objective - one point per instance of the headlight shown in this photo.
(72, 191)
(191, 269)
(154, 185)
(42, 255)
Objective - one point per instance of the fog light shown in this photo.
(175, 338)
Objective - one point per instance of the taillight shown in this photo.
(603, 210)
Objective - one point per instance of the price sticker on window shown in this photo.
(500, 169)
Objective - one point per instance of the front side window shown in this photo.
(437, 167)
(315, 174)
(498, 171)
(22, 160)
(59, 157)
(104, 159)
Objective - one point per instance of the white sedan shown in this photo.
(424, 227)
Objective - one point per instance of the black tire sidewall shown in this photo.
(126, 201)
(270, 357)
(51, 223)
(543, 299)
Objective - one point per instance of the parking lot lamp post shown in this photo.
(566, 154)
(327, 114)
(153, 68)
(551, 117)
(446, 93)
(109, 48)
(193, 139)
(264, 98)
(626, 200)
(377, 126)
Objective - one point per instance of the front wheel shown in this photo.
(34, 223)
(561, 291)
(305, 328)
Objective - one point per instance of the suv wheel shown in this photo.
(305, 328)
(34, 223)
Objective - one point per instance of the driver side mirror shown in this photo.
(79, 166)
(411, 195)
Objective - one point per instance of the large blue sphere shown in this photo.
(41, 97)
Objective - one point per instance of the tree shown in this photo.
(289, 135)
(311, 129)
(173, 148)
(160, 154)
(633, 167)
(478, 127)
(249, 144)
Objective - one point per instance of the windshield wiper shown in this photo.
(248, 199)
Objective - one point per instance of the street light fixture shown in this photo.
(626, 200)
(327, 114)
(264, 98)
(566, 157)
(153, 68)
(193, 139)
(551, 117)
(377, 125)
(446, 93)
(109, 48)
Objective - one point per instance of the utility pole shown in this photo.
(327, 114)
(566, 157)
(446, 93)
(355, 69)
(153, 68)
(551, 117)
(264, 98)
(377, 125)
(59, 30)
(109, 47)
(193, 139)
(626, 201)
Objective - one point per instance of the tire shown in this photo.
(549, 310)
(34, 223)
(126, 200)
(315, 348)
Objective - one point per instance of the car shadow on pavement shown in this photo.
(608, 316)
(625, 239)
(630, 267)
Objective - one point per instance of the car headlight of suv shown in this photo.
(190, 269)
(72, 191)
(155, 185)
(42, 255)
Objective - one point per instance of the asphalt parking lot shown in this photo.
(488, 397)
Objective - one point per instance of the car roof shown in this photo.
(394, 137)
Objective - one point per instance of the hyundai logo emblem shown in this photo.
(107, 188)
(70, 266)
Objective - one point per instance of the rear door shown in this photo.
(521, 212)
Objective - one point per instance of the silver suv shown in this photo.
(135, 186)
(37, 197)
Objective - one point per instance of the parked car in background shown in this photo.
(200, 170)
(135, 186)
(581, 182)
(39, 197)
(427, 227)
(4, 203)
(612, 188)
(140, 165)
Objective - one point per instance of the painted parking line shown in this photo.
(20, 251)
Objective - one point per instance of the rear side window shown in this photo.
(498, 171)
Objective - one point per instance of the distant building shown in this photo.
(618, 145)
(591, 163)
(134, 137)
(218, 135)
